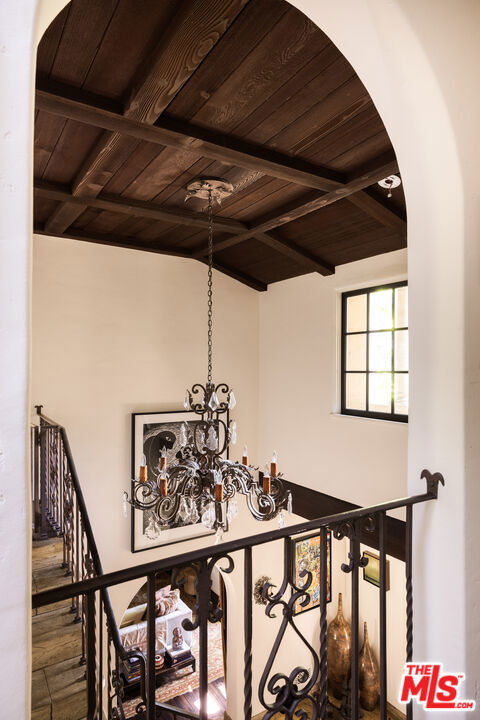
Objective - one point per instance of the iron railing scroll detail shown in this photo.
(297, 692)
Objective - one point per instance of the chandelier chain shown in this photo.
(200, 484)
(210, 286)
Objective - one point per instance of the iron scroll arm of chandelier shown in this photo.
(201, 483)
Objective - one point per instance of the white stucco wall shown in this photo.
(116, 331)
(357, 459)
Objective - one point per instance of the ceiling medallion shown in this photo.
(202, 484)
(389, 183)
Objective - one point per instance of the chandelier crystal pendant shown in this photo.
(202, 483)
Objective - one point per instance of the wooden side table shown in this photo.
(131, 688)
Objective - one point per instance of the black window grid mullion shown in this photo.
(375, 372)
(367, 383)
(383, 330)
(392, 379)
(343, 402)
(367, 413)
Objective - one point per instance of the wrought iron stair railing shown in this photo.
(58, 507)
(291, 694)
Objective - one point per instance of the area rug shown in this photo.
(184, 680)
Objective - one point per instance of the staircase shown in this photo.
(58, 675)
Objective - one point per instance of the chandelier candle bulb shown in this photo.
(218, 492)
(143, 473)
(163, 461)
(266, 484)
(273, 465)
(163, 486)
(245, 455)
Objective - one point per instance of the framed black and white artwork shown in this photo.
(152, 434)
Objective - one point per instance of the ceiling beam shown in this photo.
(295, 253)
(133, 244)
(135, 208)
(187, 40)
(378, 208)
(299, 210)
(169, 132)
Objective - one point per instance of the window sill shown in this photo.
(368, 419)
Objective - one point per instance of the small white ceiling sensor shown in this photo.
(390, 182)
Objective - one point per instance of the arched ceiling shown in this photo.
(135, 99)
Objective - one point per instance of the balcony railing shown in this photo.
(303, 685)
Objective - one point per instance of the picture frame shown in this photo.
(153, 432)
(305, 555)
(371, 571)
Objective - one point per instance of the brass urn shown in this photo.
(339, 646)
(369, 675)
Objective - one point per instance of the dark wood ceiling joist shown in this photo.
(297, 211)
(184, 136)
(294, 252)
(134, 208)
(249, 90)
(180, 135)
(130, 208)
(228, 150)
(187, 40)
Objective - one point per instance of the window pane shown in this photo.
(380, 392)
(401, 394)
(357, 313)
(356, 352)
(401, 306)
(401, 350)
(380, 351)
(381, 309)
(356, 391)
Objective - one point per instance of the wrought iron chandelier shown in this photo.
(202, 483)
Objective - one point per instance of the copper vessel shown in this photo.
(339, 646)
(369, 675)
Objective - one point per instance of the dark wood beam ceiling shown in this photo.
(184, 217)
(217, 146)
(300, 209)
(185, 136)
(187, 40)
(266, 161)
(293, 251)
(135, 208)
(130, 107)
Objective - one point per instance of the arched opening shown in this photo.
(297, 125)
(177, 646)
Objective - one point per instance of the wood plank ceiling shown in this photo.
(136, 99)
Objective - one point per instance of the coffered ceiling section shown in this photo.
(136, 98)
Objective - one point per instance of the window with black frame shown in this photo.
(375, 352)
